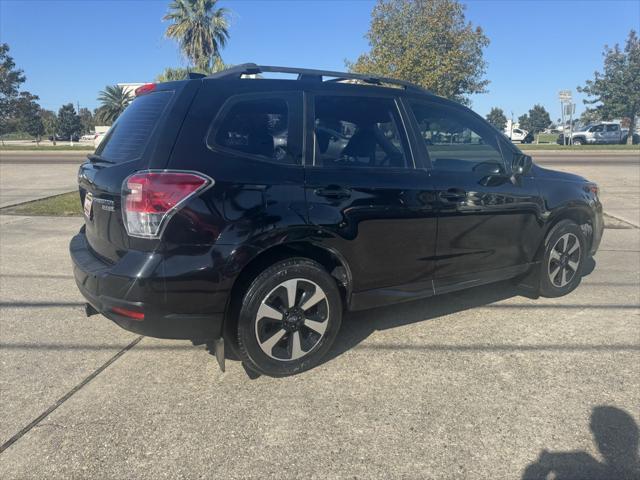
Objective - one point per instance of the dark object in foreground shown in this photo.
(257, 210)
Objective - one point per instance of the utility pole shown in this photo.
(511, 127)
(565, 99)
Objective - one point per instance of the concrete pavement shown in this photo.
(477, 384)
(26, 176)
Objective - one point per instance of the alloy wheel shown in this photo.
(564, 260)
(292, 319)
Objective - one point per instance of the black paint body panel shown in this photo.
(394, 234)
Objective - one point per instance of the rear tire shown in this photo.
(577, 141)
(564, 254)
(289, 318)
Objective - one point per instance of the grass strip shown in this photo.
(64, 205)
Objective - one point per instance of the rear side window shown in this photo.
(129, 135)
(358, 132)
(612, 128)
(258, 128)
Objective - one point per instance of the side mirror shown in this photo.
(521, 164)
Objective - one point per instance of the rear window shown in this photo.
(259, 128)
(128, 136)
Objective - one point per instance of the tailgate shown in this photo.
(142, 137)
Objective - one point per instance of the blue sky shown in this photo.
(71, 49)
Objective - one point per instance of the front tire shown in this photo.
(290, 317)
(564, 255)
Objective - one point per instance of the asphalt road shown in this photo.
(28, 176)
(477, 384)
(617, 175)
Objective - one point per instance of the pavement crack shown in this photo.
(68, 395)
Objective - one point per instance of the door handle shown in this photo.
(334, 192)
(453, 195)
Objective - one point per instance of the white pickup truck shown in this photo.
(598, 133)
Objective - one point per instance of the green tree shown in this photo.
(497, 118)
(171, 74)
(590, 115)
(538, 119)
(114, 99)
(200, 28)
(523, 122)
(10, 80)
(86, 120)
(68, 121)
(50, 122)
(28, 115)
(616, 91)
(428, 42)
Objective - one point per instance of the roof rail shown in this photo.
(311, 74)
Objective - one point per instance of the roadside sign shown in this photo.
(565, 96)
(569, 109)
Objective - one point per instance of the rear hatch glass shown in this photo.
(129, 135)
(121, 153)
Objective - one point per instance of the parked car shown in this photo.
(599, 133)
(197, 228)
(519, 135)
(97, 138)
(65, 138)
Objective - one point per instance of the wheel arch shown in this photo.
(580, 214)
(334, 263)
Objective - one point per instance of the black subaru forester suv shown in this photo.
(251, 212)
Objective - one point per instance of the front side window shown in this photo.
(597, 129)
(257, 127)
(358, 132)
(456, 141)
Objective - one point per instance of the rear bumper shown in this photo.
(179, 299)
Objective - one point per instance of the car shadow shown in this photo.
(358, 326)
(616, 435)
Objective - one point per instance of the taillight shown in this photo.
(151, 197)
(146, 88)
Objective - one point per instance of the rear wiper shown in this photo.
(95, 158)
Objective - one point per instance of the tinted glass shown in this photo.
(358, 132)
(457, 141)
(597, 128)
(128, 136)
(257, 127)
(613, 128)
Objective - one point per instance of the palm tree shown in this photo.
(200, 28)
(114, 99)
